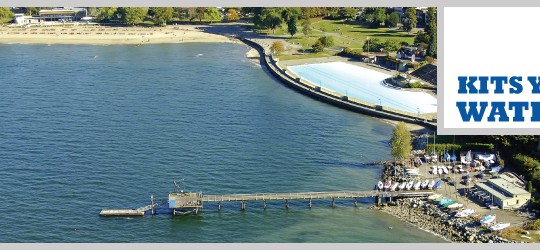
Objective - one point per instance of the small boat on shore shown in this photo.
(424, 184)
(440, 171)
(488, 219)
(465, 213)
(445, 170)
(434, 196)
(455, 205)
(435, 170)
(380, 185)
(444, 201)
(499, 226)
(437, 184)
(394, 186)
(402, 185)
(431, 184)
(417, 185)
(387, 185)
(446, 205)
(409, 185)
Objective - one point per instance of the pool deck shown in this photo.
(287, 63)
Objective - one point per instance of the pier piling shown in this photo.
(355, 202)
(309, 202)
(333, 202)
(286, 203)
(219, 206)
(243, 205)
(264, 204)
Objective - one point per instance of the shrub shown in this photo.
(534, 225)
(485, 147)
(317, 46)
(278, 47)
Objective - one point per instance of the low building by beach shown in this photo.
(507, 191)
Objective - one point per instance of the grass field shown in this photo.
(345, 34)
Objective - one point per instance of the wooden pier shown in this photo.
(184, 203)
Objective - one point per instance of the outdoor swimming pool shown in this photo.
(365, 84)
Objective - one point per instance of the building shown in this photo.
(507, 191)
(63, 14)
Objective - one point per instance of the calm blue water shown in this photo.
(89, 127)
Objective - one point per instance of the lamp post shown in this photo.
(380, 102)
(418, 116)
(368, 48)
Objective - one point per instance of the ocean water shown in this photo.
(365, 84)
(89, 127)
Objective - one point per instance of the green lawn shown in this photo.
(359, 33)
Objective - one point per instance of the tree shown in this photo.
(271, 19)
(213, 14)
(327, 41)
(132, 15)
(232, 15)
(392, 20)
(379, 16)
(306, 27)
(432, 46)
(278, 47)
(347, 12)
(199, 13)
(5, 12)
(106, 13)
(162, 15)
(391, 45)
(317, 46)
(291, 26)
(410, 21)
(529, 187)
(431, 22)
(421, 37)
(400, 142)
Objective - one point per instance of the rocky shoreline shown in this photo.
(430, 217)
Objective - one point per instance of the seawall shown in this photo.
(335, 99)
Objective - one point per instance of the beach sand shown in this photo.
(107, 35)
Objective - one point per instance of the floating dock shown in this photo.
(121, 212)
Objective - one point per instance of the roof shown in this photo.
(427, 73)
(508, 186)
(482, 185)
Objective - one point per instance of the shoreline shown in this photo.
(430, 218)
(107, 35)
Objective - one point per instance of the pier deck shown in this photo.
(194, 201)
(311, 195)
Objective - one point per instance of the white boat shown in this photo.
(434, 171)
(445, 170)
(431, 184)
(412, 171)
(499, 226)
(440, 170)
(409, 185)
(402, 185)
(488, 219)
(387, 185)
(417, 185)
(394, 186)
(465, 213)
(380, 185)
(425, 184)
(455, 205)
(434, 196)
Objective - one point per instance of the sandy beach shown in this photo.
(84, 34)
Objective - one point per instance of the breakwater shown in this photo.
(430, 217)
(335, 99)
